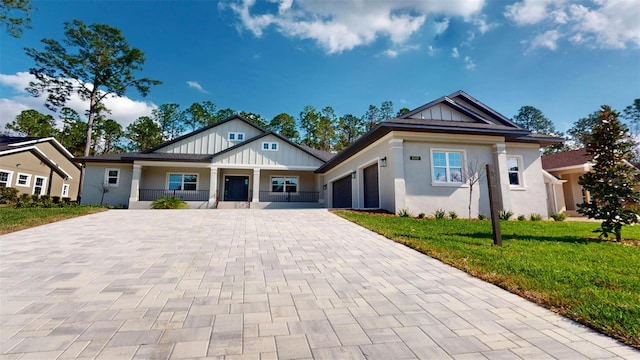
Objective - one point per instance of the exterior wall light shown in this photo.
(383, 162)
(353, 175)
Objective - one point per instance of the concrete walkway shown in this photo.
(256, 284)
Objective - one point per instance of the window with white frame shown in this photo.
(65, 190)
(38, 185)
(284, 184)
(112, 177)
(182, 182)
(446, 166)
(23, 180)
(270, 146)
(514, 168)
(5, 178)
(236, 136)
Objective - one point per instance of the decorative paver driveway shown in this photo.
(258, 284)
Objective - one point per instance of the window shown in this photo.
(236, 136)
(270, 146)
(23, 180)
(111, 177)
(38, 185)
(5, 178)
(447, 166)
(514, 167)
(183, 182)
(65, 190)
(284, 184)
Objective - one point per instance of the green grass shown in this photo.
(560, 265)
(12, 219)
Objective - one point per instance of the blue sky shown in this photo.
(564, 57)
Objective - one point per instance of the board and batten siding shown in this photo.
(442, 112)
(213, 140)
(252, 154)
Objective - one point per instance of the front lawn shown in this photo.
(560, 265)
(12, 219)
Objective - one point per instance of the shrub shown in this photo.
(505, 214)
(8, 195)
(453, 215)
(439, 214)
(482, 216)
(35, 198)
(559, 216)
(404, 213)
(535, 217)
(421, 215)
(522, 218)
(55, 199)
(169, 202)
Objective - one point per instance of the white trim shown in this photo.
(29, 148)
(62, 192)
(262, 167)
(106, 177)
(520, 160)
(43, 186)
(553, 179)
(28, 184)
(57, 144)
(448, 183)
(168, 173)
(9, 177)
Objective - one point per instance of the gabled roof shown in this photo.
(565, 159)
(491, 124)
(230, 118)
(12, 142)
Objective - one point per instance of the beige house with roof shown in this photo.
(40, 166)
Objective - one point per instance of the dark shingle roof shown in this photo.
(320, 154)
(5, 141)
(565, 159)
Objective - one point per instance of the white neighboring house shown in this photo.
(417, 162)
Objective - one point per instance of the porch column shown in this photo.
(256, 185)
(502, 172)
(213, 184)
(135, 183)
(397, 164)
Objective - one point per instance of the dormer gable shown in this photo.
(213, 138)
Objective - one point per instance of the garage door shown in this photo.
(342, 193)
(371, 194)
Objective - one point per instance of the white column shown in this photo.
(256, 185)
(397, 163)
(502, 172)
(213, 185)
(135, 183)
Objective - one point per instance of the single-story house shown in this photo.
(566, 168)
(39, 166)
(419, 161)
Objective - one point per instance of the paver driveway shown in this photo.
(258, 284)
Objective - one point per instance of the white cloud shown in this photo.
(196, 85)
(431, 50)
(442, 26)
(599, 24)
(391, 53)
(123, 109)
(548, 39)
(339, 26)
(468, 63)
(454, 53)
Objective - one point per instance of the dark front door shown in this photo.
(342, 193)
(371, 197)
(236, 188)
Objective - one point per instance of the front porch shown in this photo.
(203, 186)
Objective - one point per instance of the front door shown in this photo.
(236, 188)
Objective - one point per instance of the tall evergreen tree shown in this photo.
(350, 128)
(371, 117)
(143, 134)
(34, 124)
(327, 129)
(610, 184)
(170, 119)
(285, 125)
(309, 123)
(580, 133)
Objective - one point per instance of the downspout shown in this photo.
(50, 181)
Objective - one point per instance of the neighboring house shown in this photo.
(566, 168)
(230, 163)
(38, 166)
(418, 162)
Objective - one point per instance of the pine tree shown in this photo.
(610, 183)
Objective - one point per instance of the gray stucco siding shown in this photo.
(212, 140)
(157, 177)
(94, 180)
(532, 197)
